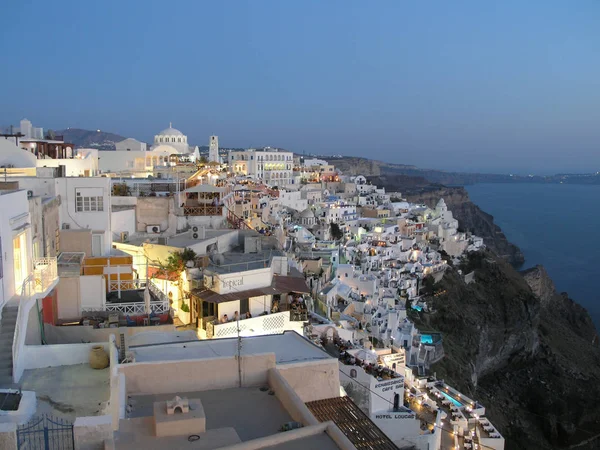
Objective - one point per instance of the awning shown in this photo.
(205, 188)
(290, 284)
(210, 296)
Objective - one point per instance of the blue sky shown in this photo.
(511, 86)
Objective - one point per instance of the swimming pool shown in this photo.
(452, 399)
(426, 339)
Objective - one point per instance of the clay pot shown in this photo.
(98, 358)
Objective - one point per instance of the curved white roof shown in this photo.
(170, 132)
(11, 155)
(307, 213)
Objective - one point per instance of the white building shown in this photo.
(130, 145)
(293, 200)
(86, 205)
(172, 137)
(271, 165)
(83, 164)
(213, 149)
(15, 242)
(28, 130)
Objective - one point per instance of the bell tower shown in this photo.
(213, 149)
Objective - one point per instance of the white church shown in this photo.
(134, 158)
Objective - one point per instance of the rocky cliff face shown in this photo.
(530, 355)
(470, 218)
(357, 166)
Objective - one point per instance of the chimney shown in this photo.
(396, 402)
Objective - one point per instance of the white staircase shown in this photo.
(7, 333)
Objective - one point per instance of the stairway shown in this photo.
(7, 332)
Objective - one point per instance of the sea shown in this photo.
(555, 225)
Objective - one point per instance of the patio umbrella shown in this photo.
(147, 308)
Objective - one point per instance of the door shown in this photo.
(97, 244)
(20, 261)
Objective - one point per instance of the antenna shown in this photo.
(239, 348)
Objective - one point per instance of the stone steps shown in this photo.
(7, 332)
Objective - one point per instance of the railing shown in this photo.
(268, 324)
(125, 285)
(44, 273)
(27, 291)
(236, 221)
(132, 308)
(43, 276)
(203, 210)
(157, 292)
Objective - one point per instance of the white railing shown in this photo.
(27, 291)
(268, 324)
(131, 308)
(124, 285)
(34, 286)
(44, 273)
(157, 292)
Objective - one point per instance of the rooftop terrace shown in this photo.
(288, 347)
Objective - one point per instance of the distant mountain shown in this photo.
(100, 140)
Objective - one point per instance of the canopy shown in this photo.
(205, 188)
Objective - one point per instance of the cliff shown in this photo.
(528, 354)
(470, 218)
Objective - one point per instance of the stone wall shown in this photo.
(89, 433)
(165, 377)
(8, 436)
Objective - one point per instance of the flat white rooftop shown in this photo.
(288, 348)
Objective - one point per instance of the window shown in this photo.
(89, 199)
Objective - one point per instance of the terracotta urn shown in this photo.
(98, 357)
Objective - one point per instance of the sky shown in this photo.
(511, 86)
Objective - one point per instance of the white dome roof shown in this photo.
(11, 155)
(307, 213)
(170, 132)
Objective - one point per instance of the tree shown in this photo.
(336, 232)
(176, 264)
(121, 190)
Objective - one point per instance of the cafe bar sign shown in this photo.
(232, 283)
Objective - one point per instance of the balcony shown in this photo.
(203, 210)
(274, 323)
(45, 275)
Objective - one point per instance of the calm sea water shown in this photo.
(555, 225)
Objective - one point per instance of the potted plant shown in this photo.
(184, 313)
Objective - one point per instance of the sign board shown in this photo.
(394, 358)
(232, 283)
(395, 416)
(390, 385)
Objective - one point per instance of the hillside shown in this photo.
(100, 140)
(526, 352)
(362, 166)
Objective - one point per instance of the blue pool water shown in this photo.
(426, 339)
(453, 400)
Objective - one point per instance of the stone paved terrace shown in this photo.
(251, 412)
(69, 391)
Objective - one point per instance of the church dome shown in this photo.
(174, 138)
(307, 214)
(170, 132)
